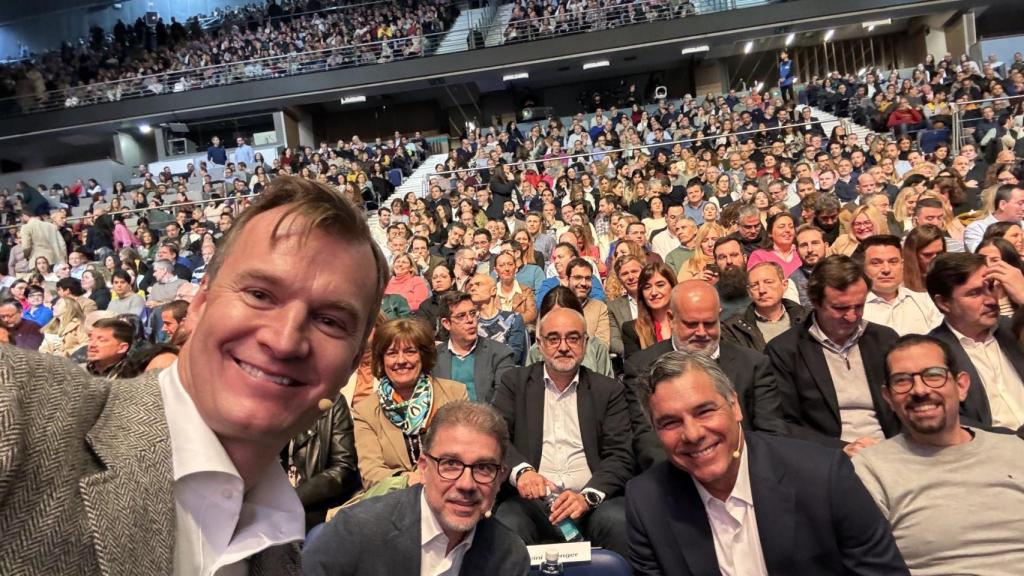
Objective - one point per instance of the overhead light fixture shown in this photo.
(748, 47)
(790, 38)
(871, 25)
(862, 71)
(353, 99)
(830, 34)
(695, 49)
(516, 76)
(598, 64)
(145, 128)
(871, 28)
(759, 86)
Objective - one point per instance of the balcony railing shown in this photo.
(349, 56)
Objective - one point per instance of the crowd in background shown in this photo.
(154, 59)
(731, 226)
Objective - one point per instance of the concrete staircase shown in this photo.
(496, 32)
(456, 40)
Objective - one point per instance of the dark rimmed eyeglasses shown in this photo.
(933, 377)
(452, 469)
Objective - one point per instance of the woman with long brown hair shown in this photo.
(920, 247)
(652, 324)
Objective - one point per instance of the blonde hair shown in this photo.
(699, 261)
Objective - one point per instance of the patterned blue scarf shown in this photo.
(410, 416)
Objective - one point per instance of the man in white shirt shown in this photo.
(443, 528)
(571, 437)
(666, 241)
(889, 303)
(1009, 207)
(739, 503)
(180, 473)
(985, 348)
(941, 477)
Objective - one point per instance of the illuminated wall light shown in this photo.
(598, 64)
(145, 128)
(748, 47)
(695, 49)
(790, 38)
(516, 76)
(829, 34)
(353, 99)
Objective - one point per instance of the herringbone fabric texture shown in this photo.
(86, 482)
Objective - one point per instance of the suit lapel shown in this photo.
(690, 526)
(975, 406)
(774, 501)
(403, 544)
(129, 503)
(817, 368)
(870, 351)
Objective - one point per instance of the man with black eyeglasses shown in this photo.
(440, 527)
(941, 477)
(476, 361)
(570, 436)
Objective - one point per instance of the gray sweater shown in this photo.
(132, 304)
(953, 510)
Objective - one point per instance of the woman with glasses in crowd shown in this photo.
(864, 223)
(389, 425)
(652, 324)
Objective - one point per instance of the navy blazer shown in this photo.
(381, 537)
(975, 408)
(813, 516)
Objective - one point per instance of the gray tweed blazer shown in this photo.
(86, 480)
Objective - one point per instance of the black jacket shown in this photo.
(809, 401)
(742, 330)
(325, 458)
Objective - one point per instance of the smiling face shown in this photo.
(402, 365)
(656, 292)
(698, 428)
(926, 413)
(459, 504)
(281, 327)
(782, 233)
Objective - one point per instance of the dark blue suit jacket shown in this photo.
(813, 516)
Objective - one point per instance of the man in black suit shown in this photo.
(570, 432)
(830, 369)
(961, 286)
(735, 502)
(418, 528)
(694, 313)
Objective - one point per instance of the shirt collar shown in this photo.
(740, 491)
(901, 294)
(463, 356)
(783, 318)
(430, 528)
(818, 334)
(964, 339)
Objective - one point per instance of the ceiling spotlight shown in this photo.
(790, 38)
(830, 34)
(748, 47)
(353, 99)
(871, 28)
(145, 128)
(872, 24)
(598, 64)
(516, 76)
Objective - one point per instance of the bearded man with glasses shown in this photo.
(440, 528)
(951, 492)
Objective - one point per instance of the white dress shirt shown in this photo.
(220, 524)
(909, 313)
(664, 243)
(734, 527)
(562, 459)
(435, 560)
(999, 379)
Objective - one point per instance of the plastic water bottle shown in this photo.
(567, 527)
(551, 565)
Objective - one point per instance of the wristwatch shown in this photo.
(593, 498)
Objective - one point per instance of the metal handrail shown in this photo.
(322, 60)
(958, 136)
(429, 178)
(148, 208)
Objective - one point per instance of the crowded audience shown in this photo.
(674, 324)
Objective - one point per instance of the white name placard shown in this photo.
(568, 552)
